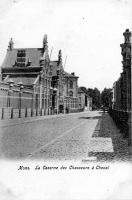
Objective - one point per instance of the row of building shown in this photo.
(122, 90)
(122, 87)
(30, 79)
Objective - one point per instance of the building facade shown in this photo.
(85, 101)
(30, 70)
(122, 90)
(122, 87)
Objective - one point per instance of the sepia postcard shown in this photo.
(65, 100)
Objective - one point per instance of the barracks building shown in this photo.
(29, 79)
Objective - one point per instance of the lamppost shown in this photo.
(64, 105)
(51, 94)
(64, 100)
(40, 80)
(50, 88)
(33, 100)
(44, 90)
(20, 84)
(10, 82)
(55, 90)
(58, 86)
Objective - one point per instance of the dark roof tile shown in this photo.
(33, 54)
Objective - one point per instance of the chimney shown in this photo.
(73, 73)
(127, 36)
(11, 44)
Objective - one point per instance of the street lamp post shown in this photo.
(10, 82)
(63, 82)
(58, 91)
(64, 106)
(20, 84)
(50, 88)
(55, 97)
(46, 94)
(32, 101)
(41, 76)
(51, 94)
(44, 91)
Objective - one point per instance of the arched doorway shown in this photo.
(61, 108)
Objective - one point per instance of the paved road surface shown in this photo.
(87, 136)
(61, 137)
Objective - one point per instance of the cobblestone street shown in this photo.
(90, 136)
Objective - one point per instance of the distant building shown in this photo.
(85, 101)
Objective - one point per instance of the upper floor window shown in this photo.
(21, 58)
(71, 94)
(71, 84)
(21, 53)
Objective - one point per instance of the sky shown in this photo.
(89, 33)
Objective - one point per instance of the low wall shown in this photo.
(14, 113)
(10, 97)
(121, 119)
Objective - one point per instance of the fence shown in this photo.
(121, 118)
(10, 113)
(17, 103)
(14, 97)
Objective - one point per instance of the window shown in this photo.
(71, 94)
(71, 84)
(21, 58)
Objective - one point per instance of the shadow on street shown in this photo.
(96, 117)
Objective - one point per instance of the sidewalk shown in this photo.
(106, 130)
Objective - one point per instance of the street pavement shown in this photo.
(86, 136)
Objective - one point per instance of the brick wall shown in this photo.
(11, 97)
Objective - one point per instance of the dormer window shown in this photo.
(21, 58)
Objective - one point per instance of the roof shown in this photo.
(70, 75)
(26, 81)
(33, 53)
(55, 66)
